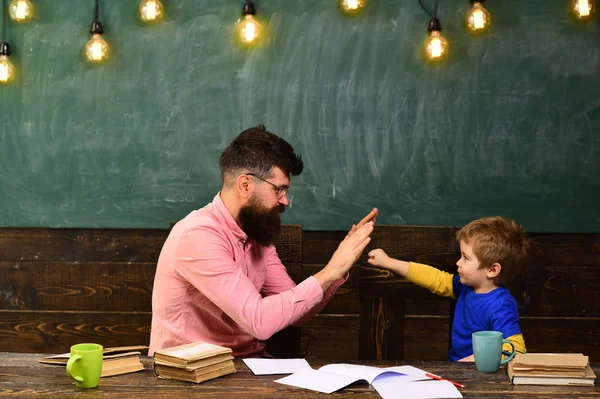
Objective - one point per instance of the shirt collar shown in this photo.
(227, 218)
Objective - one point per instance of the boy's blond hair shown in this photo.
(496, 240)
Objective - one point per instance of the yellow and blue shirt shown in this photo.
(493, 311)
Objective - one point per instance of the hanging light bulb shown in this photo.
(151, 11)
(97, 49)
(583, 9)
(351, 7)
(248, 30)
(436, 47)
(7, 70)
(478, 19)
(20, 10)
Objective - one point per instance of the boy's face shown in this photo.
(468, 268)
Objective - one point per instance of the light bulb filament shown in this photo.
(6, 69)
(3, 72)
(583, 8)
(151, 10)
(352, 4)
(249, 32)
(96, 51)
(478, 20)
(21, 9)
(435, 48)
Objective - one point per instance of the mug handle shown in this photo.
(507, 353)
(70, 364)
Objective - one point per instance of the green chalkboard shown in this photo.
(509, 125)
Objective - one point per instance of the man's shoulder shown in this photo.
(200, 221)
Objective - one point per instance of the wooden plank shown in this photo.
(381, 333)
(319, 246)
(332, 337)
(55, 332)
(346, 299)
(110, 245)
(46, 285)
(95, 245)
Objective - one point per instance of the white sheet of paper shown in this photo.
(333, 377)
(276, 366)
(390, 386)
(317, 380)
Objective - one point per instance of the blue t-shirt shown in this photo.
(495, 311)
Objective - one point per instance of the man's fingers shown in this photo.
(361, 247)
(371, 216)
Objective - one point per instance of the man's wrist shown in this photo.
(325, 279)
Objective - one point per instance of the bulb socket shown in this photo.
(249, 9)
(96, 28)
(5, 49)
(476, 1)
(434, 24)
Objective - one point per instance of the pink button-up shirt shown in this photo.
(212, 284)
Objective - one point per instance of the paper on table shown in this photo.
(390, 386)
(275, 366)
(332, 377)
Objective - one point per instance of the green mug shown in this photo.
(487, 349)
(85, 365)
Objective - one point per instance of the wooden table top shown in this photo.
(21, 375)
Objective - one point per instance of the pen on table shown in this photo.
(437, 377)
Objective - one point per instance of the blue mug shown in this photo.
(487, 350)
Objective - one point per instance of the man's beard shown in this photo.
(261, 223)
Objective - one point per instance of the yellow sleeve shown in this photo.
(436, 281)
(519, 343)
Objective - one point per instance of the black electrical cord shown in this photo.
(434, 14)
(3, 20)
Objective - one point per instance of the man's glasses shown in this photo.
(281, 190)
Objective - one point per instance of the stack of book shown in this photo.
(195, 362)
(551, 369)
(115, 361)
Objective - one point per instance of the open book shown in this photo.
(333, 377)
(115, 360)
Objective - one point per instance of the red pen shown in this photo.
(437, 377)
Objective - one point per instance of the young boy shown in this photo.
(491, 250)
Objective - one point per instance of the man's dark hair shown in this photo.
(258, 151)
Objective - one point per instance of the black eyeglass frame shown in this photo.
(281, 190)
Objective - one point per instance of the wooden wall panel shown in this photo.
(55, 332)
(62, 286)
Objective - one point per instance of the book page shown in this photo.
(275, 366)
(191, 351)
(317, 380)
(389, 387)
(332, 377)
(369, 373)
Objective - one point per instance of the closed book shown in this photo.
(198, 375)
(190, 353)
(198, 363)
(574, 363)
(544, 379)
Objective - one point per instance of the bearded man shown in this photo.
(219, 278)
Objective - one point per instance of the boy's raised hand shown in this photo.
(379, 258)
